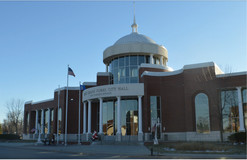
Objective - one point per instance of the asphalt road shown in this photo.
(22, 153)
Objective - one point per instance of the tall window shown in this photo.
(125, 68)
(60, 120)
(230, 115)
(52, 120)
(129, 117)
(46, 121)
(244, 106)
(155, 111)
(202, 113)
(108, 118)
(39, 119)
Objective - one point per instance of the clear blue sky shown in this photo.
(39, 39)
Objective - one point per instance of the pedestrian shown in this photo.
(94, 136)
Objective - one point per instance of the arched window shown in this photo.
(202, 113)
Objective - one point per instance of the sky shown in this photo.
(39, 39)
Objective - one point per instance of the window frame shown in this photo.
(195, 113)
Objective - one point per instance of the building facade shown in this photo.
(139, 93)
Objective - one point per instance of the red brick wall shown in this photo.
(177, 97)
(177, 100)
(103, 80)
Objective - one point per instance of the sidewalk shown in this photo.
(128, 151)
(198, 156)
(100, 149)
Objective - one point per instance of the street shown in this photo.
(32, 151)
(23, 153)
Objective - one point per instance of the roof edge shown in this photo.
(65, 88)
(103, 73)
(162, 74)
(89, 83)
(46, 100)
(232, 74)
(218, 71)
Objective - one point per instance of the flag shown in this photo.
(70, 72)
(82, 87)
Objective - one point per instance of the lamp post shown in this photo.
(39, 139)
(155, 136)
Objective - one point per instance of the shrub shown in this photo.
(9, 137)
(238, 137)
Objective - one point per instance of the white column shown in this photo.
(49, 121)
(151, 59)
(119, 131)
(161, 60)
(139, 114)
(89, 117)
(140, 133)
(106, 67)
(42, 121)
(100, 115)
(36, 122)
(84, 117)
(240, 110)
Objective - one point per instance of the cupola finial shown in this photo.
(134, 25)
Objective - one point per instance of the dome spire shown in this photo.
(134, 25)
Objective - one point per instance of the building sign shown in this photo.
(132, 89)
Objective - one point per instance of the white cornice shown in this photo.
(198, 65)
(47, 100)
(157, 74)
(28, 102)
(65, 88)
(206, 64)
(103, 74)
(186, 67)
(89, 83)
(232, 74)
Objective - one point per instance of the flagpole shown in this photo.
(58, 113)
(66, 108)
(79, 119)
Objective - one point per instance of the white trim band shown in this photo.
(158, 74)
(115, 90)
(218, 71)
(65, 88)
(47, 100)
(89, 83)
(103, 74)
(231, 74)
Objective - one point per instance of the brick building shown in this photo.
(139, 92)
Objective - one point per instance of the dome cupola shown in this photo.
(134, 44)
(130, 52)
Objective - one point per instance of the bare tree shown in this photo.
(15, 115)
(228, 110)
(1, 130)
(6, 127)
